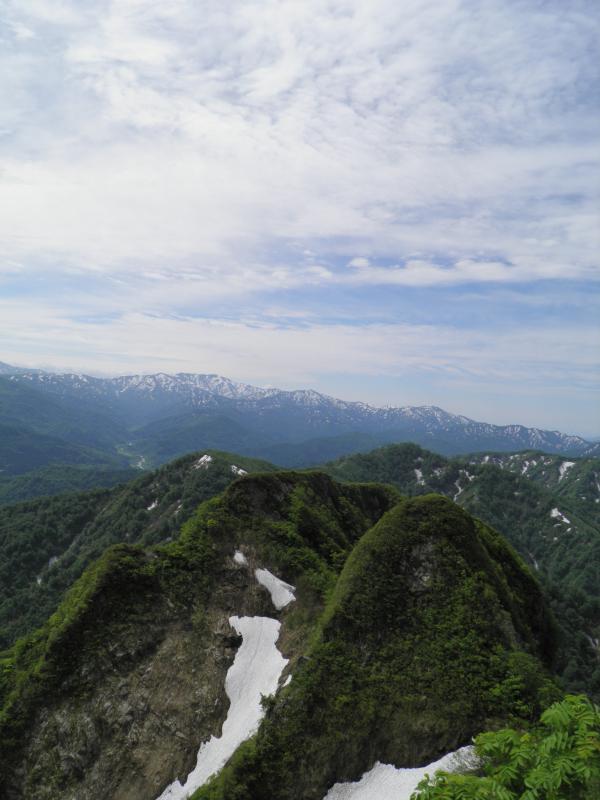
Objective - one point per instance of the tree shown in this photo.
(559, 759)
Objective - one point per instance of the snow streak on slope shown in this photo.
(281, 593)
(556, 514)
(256, 670)
(386, 782)
(564, 468)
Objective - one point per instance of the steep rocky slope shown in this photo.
(413, 626)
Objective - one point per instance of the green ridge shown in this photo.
(433, 632)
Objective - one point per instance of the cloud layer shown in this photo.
(165, 159)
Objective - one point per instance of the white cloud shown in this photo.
(180, 133)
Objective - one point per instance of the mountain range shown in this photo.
(142, 421)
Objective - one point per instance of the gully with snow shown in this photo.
(256, 671)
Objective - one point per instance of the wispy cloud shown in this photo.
(188, 133)
(157, 158)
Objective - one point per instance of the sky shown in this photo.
(395, 202)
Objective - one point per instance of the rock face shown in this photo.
(142, 689)
(151, 697)
(413, 625)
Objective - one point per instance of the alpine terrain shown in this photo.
(380, 628)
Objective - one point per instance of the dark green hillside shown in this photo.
(317, 451)
(23, 406)
(60, 479)
(46, 544)
(24, 449)
(434, 631)
(565, 555)
(169, 438)
(114, 625)
(396, 464)
(576, 481)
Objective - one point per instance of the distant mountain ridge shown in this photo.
(277, 416)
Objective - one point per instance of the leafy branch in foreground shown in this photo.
(559, 759)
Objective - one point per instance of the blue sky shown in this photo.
(393, 202)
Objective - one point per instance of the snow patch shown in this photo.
(386, 782)
(203, 462)
(238, 470)
(564, 468)
(255, 671)
(240, 558)
(556, 514)
(281, 593)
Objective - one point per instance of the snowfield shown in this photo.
(255, 671)
(281, 593)
(386, 782)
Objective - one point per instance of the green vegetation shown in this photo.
(304, 523)
(558, 759)
(168, 438)
(434, 631)
(46, 544)
(37, 429)
(62, 479)
(23, 450)
(301, 524)
(519, 505)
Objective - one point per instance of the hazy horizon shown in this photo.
(590, 435)
(393, 203)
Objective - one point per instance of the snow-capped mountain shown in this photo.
(289, 416)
